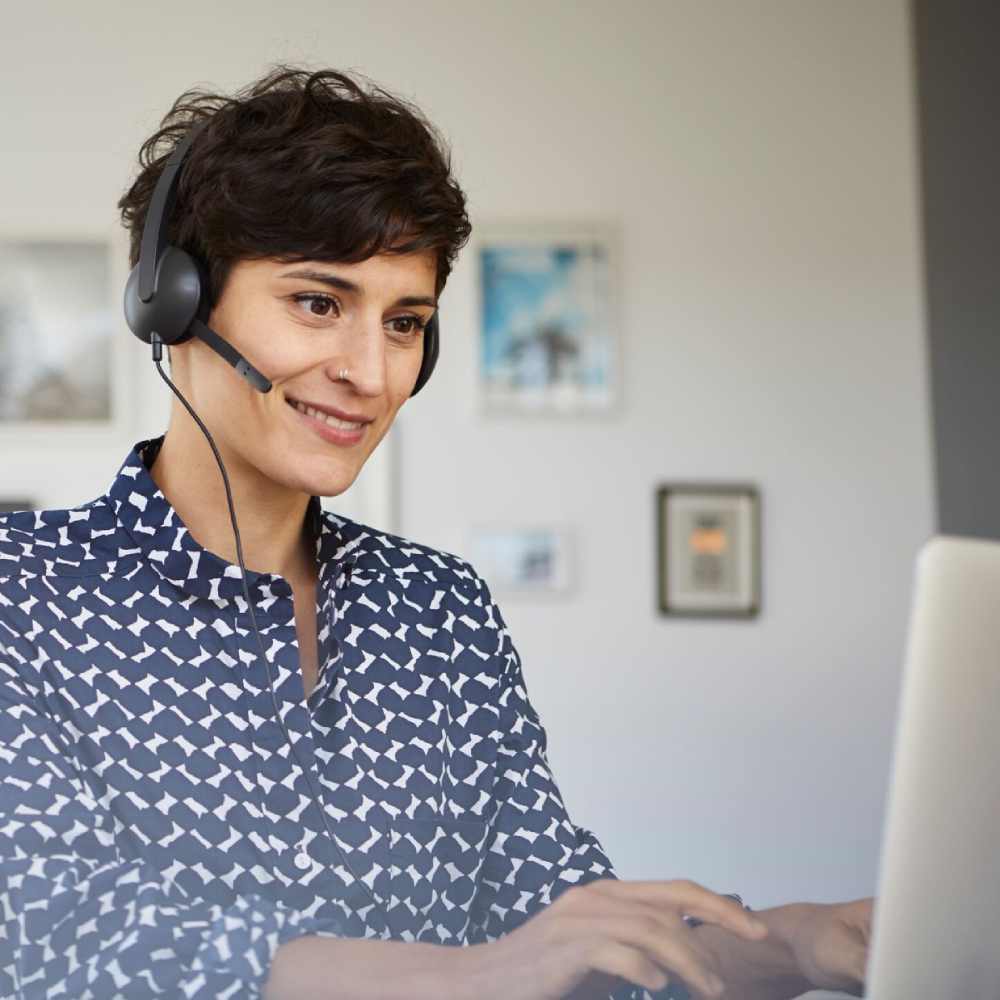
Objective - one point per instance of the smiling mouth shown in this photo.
(310, 411)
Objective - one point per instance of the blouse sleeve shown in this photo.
(535, 852)
(77, 918)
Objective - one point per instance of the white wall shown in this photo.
(760, 159)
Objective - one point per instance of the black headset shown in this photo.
(166, 303)
(166, 294)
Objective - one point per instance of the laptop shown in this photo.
(936, 932)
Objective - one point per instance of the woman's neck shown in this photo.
(271, 517)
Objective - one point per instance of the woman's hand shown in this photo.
(597, 935)
(831, 942)
(585, 945)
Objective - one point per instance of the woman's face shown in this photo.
(300, 331)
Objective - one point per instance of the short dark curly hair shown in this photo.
(302, 165)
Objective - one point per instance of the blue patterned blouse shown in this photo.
(157, 837)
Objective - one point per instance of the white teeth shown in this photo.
(345, 425)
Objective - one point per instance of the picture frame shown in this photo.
(10, 505)
(708, 550)
(523, 561)
(549, 320)
(64, 370)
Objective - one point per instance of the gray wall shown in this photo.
(959, 101)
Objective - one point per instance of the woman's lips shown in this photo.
(335, 435)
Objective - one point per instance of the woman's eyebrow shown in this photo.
(335, 281)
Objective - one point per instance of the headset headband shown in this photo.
(154, 230)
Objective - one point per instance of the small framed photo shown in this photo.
(62, 362)
(523, 561)
(57, 333)
(10, 506)
(709, 550)
(549, 338)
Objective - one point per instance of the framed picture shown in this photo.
(708, 550)
(549, 338)
(523, 561)
(9, 506)
(59, 366)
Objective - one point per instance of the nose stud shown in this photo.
(343, 374)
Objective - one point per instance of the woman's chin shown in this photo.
(328, 486)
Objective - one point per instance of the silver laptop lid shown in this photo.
(937, 918)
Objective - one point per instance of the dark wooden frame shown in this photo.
(663, 494)
(9, 506)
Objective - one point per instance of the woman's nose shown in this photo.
(361, 358)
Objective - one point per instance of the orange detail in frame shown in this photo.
(708, 541)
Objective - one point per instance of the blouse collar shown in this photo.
(164, 540)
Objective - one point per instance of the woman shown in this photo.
(187, 812)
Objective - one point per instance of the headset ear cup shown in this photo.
(170, 310)
(432, 342)
(204, 306)
(197, 284)
(204, 291)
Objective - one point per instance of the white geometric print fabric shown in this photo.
(157, 837)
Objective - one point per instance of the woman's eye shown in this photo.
(318, 304)
(411, 325)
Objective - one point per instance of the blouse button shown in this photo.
(302, 861)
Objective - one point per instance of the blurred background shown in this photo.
(805, 301)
